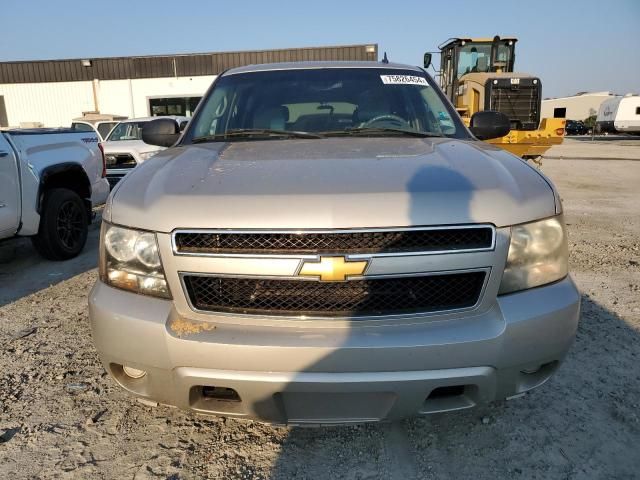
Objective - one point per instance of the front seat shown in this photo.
(271, 118)
(483, 64)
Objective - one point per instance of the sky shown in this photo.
(575, 46)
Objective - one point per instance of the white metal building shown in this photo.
(51, 93)
(55, 104)
(577, 107)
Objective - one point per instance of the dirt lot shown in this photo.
(62, 417)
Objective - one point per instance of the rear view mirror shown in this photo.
(162, 132)
(427, 60)
(488, 124)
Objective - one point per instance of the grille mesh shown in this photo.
(520, 105)
(114, 179)
(368, 297)
(342, 243)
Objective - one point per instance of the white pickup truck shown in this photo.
(50, 179)
(124, 148)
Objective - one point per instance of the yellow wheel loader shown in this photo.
(477, 74)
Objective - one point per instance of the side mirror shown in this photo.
(162, 132)
(488, 124)
(427, 60)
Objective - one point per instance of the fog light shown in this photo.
(133, 372)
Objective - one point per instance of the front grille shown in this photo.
(343, 243)
(521, 104)
(113, 180)
(367, 297)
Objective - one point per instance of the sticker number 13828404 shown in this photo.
(403, 80)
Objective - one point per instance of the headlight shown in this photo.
(147, 155)
(538, 254)
(129, 260)
(110, 160)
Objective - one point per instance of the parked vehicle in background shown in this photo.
(100, 123)
(619, 115)
(50, 179)
(124, 148)
(576, 127)
(327, 242)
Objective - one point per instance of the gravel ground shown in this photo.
(62, 417)
(609, 147)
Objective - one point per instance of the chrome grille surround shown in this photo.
(224, 266)
(352, 253)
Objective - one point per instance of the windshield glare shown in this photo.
(126, 131)
(324, 101)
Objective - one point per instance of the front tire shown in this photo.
(64, 225)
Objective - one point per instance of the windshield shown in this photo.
(126, 131)
(476, 57)
(323, 102)
(82, 127)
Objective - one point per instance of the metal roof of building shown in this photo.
(180, 65)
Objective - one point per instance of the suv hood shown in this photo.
(331, 183)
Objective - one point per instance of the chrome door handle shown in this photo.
(4, 154)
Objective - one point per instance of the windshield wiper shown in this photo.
(257, 133)
(382, 130)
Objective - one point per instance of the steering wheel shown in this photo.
(388, 117)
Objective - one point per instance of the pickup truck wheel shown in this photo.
(64, 225)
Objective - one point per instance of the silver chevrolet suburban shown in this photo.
(328, 243)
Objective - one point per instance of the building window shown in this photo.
(183, 106)
(637, 110)
(560, 112)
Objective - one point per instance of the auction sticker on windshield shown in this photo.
(403, 80)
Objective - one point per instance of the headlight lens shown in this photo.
(538, 254)
(120, 243)
(147, 250)
(129, 260)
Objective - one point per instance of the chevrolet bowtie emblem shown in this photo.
(332, 269)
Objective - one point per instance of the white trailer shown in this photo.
(619, 115)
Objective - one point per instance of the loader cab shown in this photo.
(460, 56)
(477, 75)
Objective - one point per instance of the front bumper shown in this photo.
(99, 192)
(350, 373)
